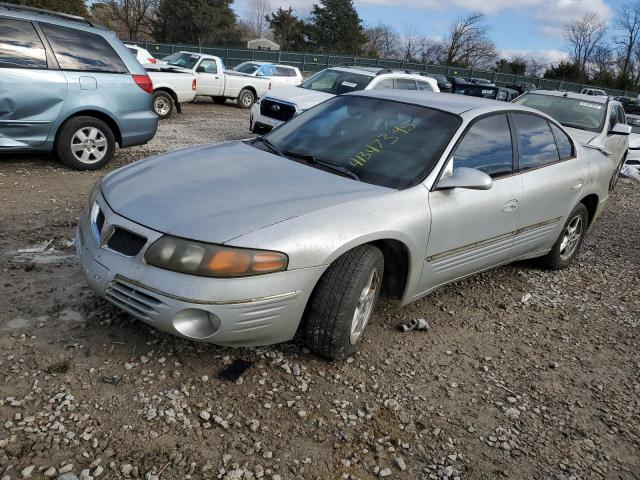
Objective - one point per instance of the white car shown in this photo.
(143, 56)
(633, 157)
(594, 92)
(280, 75)
(214, 81)
(171, 87)
(280, 105)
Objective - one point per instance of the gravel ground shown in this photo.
(522, 374)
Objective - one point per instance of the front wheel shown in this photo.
(163, 105)
(343, 302)
(568, 245)
(246, 99)
(85, 143)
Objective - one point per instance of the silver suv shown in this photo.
(71, 87)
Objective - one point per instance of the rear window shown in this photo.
(20, 46)
(82, 51)
(337, 82)
(570, 112)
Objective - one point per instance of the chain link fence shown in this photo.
(314, 62)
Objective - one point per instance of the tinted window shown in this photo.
(405, 84)
(282, 71)
(84, 51)
(487, 147)
(184, 60)
(620, 114)
(291, 72)
(613, 116)
(424, 87)
(209, 66)
(385, 84)
(20, 46)
(536, 144)
(570, 112)
(565, 149)
(336, 82)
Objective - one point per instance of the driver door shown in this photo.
(472, 230)
(210, 82)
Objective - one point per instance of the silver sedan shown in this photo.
(375, 193)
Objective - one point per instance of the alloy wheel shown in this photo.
(571, 238)
(161, 106)
(89, 145)
(364, 308)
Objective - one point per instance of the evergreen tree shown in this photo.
(336, 27)
(74, 7)
(288, 30)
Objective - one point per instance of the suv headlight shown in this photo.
(209, 260)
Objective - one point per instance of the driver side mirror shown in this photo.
(200, 70)
(464, 177)
(620, 129)
(259, 74)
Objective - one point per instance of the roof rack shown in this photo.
(64, 16)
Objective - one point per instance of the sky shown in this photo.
(531, 27)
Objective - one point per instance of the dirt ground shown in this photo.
(523, 374)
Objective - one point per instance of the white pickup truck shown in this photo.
(213, 81)
(171, 87)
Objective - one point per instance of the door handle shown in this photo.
(577, 185)
(511, 206)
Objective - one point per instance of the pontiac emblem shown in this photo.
(275, 108)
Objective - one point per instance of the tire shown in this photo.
(616, 174)
(219, 100)
(333, 329)
(246, 98)
(562, 255)
(163, 104)
(72, 150)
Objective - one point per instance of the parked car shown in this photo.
(280, 75)
(596, 122)
(444, 85)
(282, 104)
(633, 157)
(171, 87)
(213, 81)
(70, 87)
(631, 105)
(143, 56)
(481, 81)
(374, 192)
(455, 81)
(522, 87)
(594, 92)
(486, 91)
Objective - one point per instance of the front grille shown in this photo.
(133, 299)
(277, 110)
(125, 242)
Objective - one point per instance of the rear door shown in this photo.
(210, 81)
(32, 90)
(552, 178)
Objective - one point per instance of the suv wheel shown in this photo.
(85, 143)
(568, 245)
(246, 99)
(163, 105)
(343, 302)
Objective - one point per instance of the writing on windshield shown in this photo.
(378, 144)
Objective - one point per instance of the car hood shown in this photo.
(217, 193)
(302, 97)
(584, 137)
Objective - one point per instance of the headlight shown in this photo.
(205, 259)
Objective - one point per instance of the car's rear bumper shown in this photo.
(239, 312)
(137, 127)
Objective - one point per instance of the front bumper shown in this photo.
(247, 311)
(262, 124)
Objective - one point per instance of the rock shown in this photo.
(26, 472)
(50, 472)
(302, 414)
(67, 468)
(385, 472)
(204, 415)
(67, 476)
(400, 463)
(126, 469)
(391, 404)
(512, 413)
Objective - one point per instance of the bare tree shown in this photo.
(133, 16)
(256, 17)
(536, 66)
(468, 43)
(409, 43)
(627, 25)
(431, 51)
(583, 36)
(382, 41)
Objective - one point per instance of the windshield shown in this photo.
(247, 67)
(570, 112)
(337, 82)
(184, 60)
(634, 123)
(382, 142)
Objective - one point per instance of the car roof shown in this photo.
(578, 96)
(49, 16)
(456, 104)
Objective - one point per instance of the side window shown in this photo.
(83, 51)
(385, 84)
(424, 87)
(613, 116)
(20, 46)
(536, 144)
(291, 72)
(405, 84)
(502, 96)
(209, 66)
(565, 148)
(621, 116)
(486, 146)
(282, 71)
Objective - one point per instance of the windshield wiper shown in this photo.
(311, 160)
(573, 125)
(270, 145)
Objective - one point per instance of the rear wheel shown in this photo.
(163, 104)
(568, 245)
(246, 99)
(343, 302)
(85, 143)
